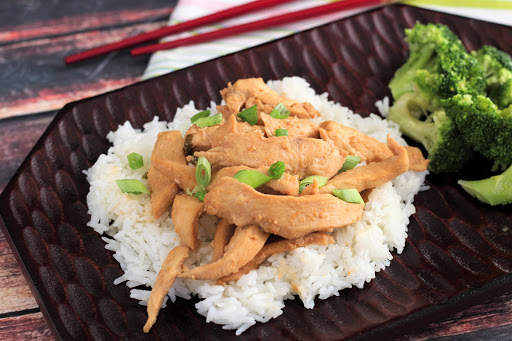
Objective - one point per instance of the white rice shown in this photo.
(140, 243)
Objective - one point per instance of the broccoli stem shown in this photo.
(407, 112)
(402, 81)
(496, 190)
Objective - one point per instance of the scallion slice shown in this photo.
(250, 115)
(349, 195)
(132, 186)
(277, 169)
(350, 162)
(281, 132)
(322, 180)
(252, 178)
(203, 172)
(209, 121)
(201, 114)
(135, 161)
(280, 112)
(198, 192)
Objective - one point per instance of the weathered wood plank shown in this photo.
(14, 291)
(17, 137)
(14, 13)
(25, 327)
(81, 22)
(34, 77)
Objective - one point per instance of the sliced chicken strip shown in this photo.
(231, 126)
(248, 92)
(278, 247)
(367, 148)
(286, 216)
(417, 161)
(223, 234)
(183, 175)
(303, 156)
(371, 175)
(243, 246)
(288, 184)
(294, 125)
(171, 268)
(200, 139)
(185, 214)
(163, 190)
(235, 100)
(168, 146)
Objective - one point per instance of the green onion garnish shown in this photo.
(132, 186)
(209, 121)
(250, 115)
(280, 112)
(349, 195)
(277, 169)
(350, 162)
(199, 115)
(135, 161)
(198, 192)
(322, 180)
(203, 172)
(281, 132)
(252, 178)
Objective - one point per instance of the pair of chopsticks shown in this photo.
(307, 13)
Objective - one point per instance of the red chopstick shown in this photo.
(168, 30)
(274, 21)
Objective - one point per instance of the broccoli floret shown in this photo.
(496, 190)
(502, 95)
(497, 66)
(438, 64)
(435, 131)
(483, 127)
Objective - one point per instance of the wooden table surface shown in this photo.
(34, 82)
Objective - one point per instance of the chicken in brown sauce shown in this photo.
(273, 204)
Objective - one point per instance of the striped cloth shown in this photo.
(162, 62)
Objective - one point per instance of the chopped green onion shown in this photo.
(250, 115)
(322, 180)
(203, 171)
(135, 161)
(198, 192)
(131, 186)
(277, 169)
(209, 121)
(349, 195)
(252, 178)
(350, 162)
(280, 112)
(281, 132)
(199, 115)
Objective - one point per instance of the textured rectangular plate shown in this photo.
(457, 252)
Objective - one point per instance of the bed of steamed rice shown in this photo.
(140, 243)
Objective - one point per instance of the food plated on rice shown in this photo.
(278, 192)
(274, 193)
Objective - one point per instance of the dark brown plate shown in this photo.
(457, 253)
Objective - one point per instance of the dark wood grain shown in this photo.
(33, 76)
(26, 327)
(14, 291)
